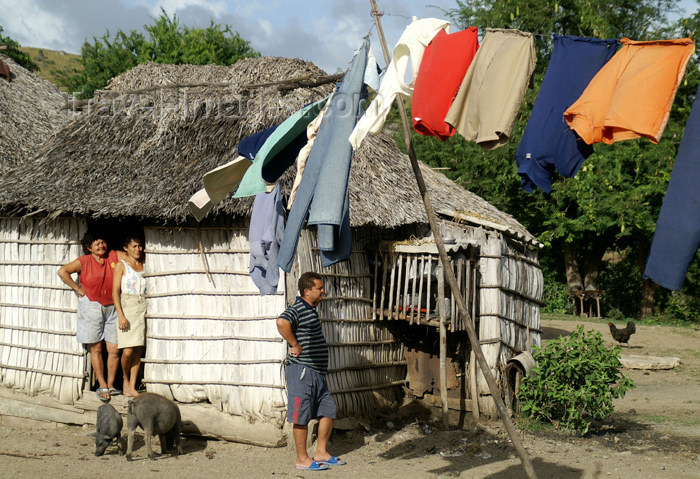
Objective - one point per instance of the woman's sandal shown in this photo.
(101, 394)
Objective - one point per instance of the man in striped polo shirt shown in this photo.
(306, 366)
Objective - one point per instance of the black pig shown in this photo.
(156, 415)
(109, 427)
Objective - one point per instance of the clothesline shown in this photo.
(592, 92)
(482, 30)
(580, 103)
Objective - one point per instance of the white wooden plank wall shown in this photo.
(38, 349)
(504, 316)
(216, 340)
(366, 363)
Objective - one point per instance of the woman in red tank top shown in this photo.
(97, 317)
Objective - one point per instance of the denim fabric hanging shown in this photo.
(325, 180)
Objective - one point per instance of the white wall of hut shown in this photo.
(38, 350)
(212, 338)
(510, 290)
(217, 340)
(210, 335)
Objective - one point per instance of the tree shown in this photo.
(165, 41)
(12, 50)
(613, 202)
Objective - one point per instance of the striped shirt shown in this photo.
(306, 326)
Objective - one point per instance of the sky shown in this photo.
(326, 32)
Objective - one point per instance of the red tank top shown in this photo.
(96, 277)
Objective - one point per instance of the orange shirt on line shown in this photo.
(631, 96)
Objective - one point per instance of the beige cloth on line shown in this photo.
(218, 183)
(134, 307)
(487, 103)
(311, 132)
(200, 204)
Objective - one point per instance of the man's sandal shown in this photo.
(315, 466)
(333, 461)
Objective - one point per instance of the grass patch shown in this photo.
(532, 425)
(690, 421)
(656, 418)
(655, 321)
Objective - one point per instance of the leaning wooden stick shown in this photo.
(452, 281)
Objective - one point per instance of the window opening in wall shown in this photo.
(405, 285)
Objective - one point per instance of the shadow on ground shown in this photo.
(190, 444)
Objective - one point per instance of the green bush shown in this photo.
(680, 307)
(14, 52)
(616, 315)
(576, 379)
(555, 298)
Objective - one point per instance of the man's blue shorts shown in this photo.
(308, 396)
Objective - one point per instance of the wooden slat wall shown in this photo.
(510, 290)
(215, 340)
(366, 362)
(408, 279)
(38, 349)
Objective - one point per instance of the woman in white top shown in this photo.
(129, 294)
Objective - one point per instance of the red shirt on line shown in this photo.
(442, 69)
(96, 277)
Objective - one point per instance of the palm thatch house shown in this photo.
(30, 112)
(138, 151)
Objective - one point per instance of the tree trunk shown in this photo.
(573, 272)
(648, 286)
(648, 290)
(591, 268)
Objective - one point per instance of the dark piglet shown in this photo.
(156, 415)
(109, 427)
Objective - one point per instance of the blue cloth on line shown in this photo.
(677, 235)
(272, 170)
(324, 184)
(548, 142)
(250, 145)
(279, 151)
(265, 236)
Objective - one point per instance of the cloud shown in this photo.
(66, 25)
(27, 23)
(215, 8)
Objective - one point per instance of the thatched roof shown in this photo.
(30, 112)
(116, 159)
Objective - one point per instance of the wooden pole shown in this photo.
(443, 345)
(204, 259)
(452, 281)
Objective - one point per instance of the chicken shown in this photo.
(622, 335)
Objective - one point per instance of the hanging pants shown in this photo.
(677, 235)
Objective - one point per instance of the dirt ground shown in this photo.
(655, 433)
